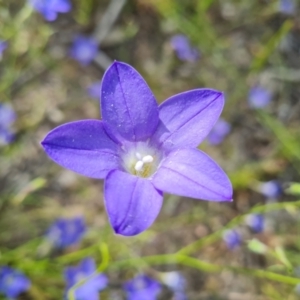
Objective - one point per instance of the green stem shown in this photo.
(104, 264)
(207, 267)
(214, 237)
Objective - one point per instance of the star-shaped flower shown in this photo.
(90, 289)
(142, 287)
(50, 8)
(66, 232)
(12, 282)
(142, 149)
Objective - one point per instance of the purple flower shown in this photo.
(3, 46)
(66, 232)
(219, 132)
(50, 8)
(270, 189)
(90, 289)
(183, 49)
(12, 282)
(287, 6)
(84, 49)
(259, 97)
(176, 282)
(7, 118)
(142, 149)
(256, 222)
(232, 238)
(142, 287)
(94, 90)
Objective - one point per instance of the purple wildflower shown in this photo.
(12, 282)
(141, 149)
(183, 49)
(66, 232)
(259, 97)
(219, 132)
(94, 90)
(7, 118)
(90, 289)
(270, 189)
(50, 8)
(84, 49)
(256, 222)
(287, 6)
(176, 282)
(142, 287)
(232, 238)
(3, 46)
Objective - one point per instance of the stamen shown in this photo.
(139, 165)
(147, 159)
(138, 155)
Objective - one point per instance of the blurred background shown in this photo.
(53, 54)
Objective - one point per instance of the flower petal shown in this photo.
(127, 103)
(192, 173)
(187, 118)
(132, 203)
(82, 147)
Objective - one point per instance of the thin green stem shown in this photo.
(214, 237)
(104, 264)
(207, 267)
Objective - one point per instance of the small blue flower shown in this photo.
(287, 6)
(12, 282)
(183, 49)
(232, 238)
(270, 189)
(176, 282)
(94, 90)
(90, 289)
(259, 97)
(84, 49)
(256, 222)
(142, 287)
(7, 118)
(50, 8)
(219, 132)
(3, 46)
(66, 232)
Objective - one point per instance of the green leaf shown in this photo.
(257, 246)
(293, 189)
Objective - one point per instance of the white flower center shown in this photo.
(141, 160)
